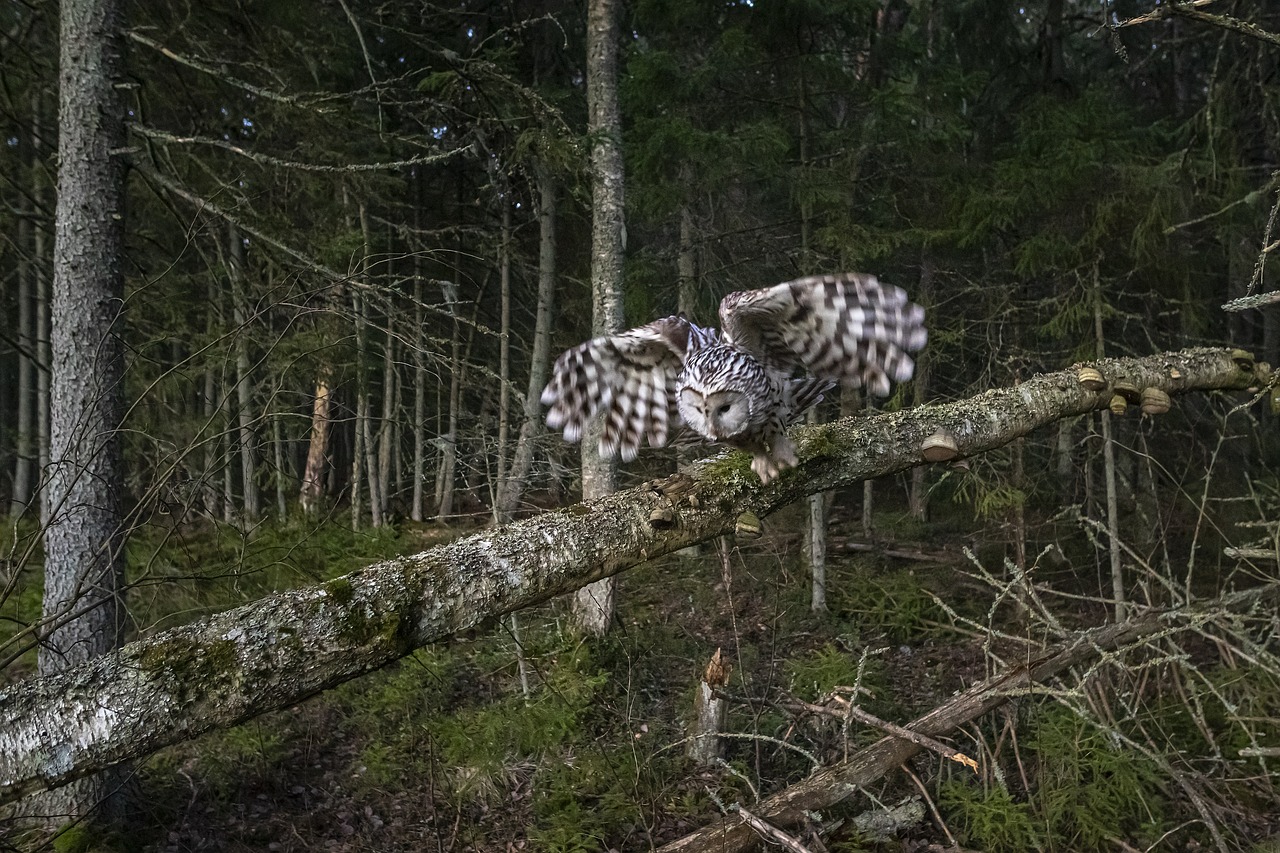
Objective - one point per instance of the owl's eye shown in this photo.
(723, 409)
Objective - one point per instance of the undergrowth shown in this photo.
(558, 744)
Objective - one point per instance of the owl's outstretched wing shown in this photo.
(631, 376)
(847, 327)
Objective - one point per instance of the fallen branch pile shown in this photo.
(837, 782)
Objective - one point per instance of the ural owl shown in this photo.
(737, 386)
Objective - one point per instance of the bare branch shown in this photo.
(267, 94)
(1192, 10)
(268, 160)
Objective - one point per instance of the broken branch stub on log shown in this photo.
(274, 652)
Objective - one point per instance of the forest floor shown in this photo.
(456, 749)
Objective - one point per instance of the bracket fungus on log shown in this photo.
(1154, 401)
(1092, 379)
(747, 526)
(939, 447)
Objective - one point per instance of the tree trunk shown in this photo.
(593, 605)
(244, 385)
(504, 360)
(390, 394)
(232, 666)
(419, 395)
(211, 440)
(229, 667)
(277, 449)
(1109, 469)
(228, 451)
(816, 545)
(364, 404)
(419, 363)
(449, 441)
(40, 261)
(709, 710)
(84, 540)
(312, 491)
(541, 354)
(357, 452)
(25, 450)
(919, 498)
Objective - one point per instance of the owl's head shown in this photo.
(717, 415)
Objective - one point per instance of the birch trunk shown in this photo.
(364, 404)
(593, 605)
(270, 654)
(540, 357)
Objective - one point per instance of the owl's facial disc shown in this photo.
(727, 413)
(692, 405)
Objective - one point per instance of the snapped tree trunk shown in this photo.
(272, 653)
(709, 709)
(593, 605)
(312, 491)
(82, 610)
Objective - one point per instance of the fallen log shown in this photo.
(274, 652)
(831, 785)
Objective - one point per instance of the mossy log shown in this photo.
(272, 653)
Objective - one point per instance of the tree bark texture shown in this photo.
(84, 560)
(277, 651)
(837, 782)
(593, 604)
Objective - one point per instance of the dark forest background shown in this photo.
(343, 218)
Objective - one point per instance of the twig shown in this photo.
(933, 809)
(769, 831)
(896, 730)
